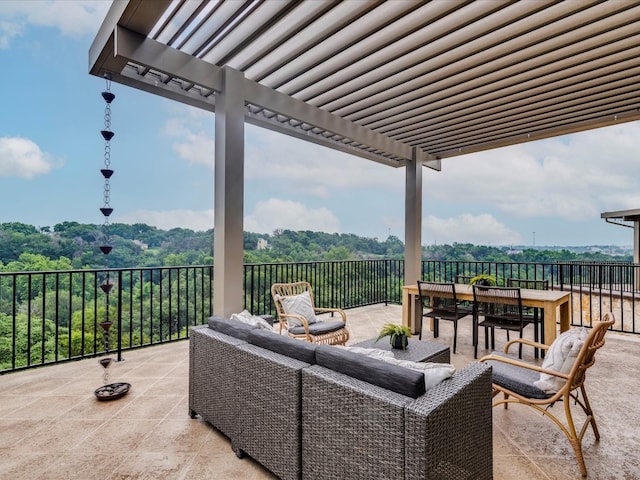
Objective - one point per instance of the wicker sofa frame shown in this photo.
(302, 420)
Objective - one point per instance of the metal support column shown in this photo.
(229, 195)
(413, 225)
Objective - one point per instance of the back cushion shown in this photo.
(233, 328)
(303, 351)
(392, 377)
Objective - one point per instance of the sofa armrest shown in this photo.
(449, 430)
(350, 428)
(270, 409)
(212, 390)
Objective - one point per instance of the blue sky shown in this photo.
(51, 152)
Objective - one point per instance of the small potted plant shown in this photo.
(399, 335)
(484, 279)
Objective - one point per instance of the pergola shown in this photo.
(404, 83)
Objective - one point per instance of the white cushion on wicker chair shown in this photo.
(298, 305)
(560, 357)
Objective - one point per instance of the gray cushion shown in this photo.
(517, 379)
(303, 351)
(392, 377)
(233, 328)
(319, 327)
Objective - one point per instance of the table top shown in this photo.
(529, 296)
(417, 350)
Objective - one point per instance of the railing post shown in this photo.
(119, 315)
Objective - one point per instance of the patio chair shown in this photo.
(297, 314)
(519, 381)
(497, 307)
(536, 315)
(438, 301)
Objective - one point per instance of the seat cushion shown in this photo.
(433, 373)
(233, 328)
(517, 379)
(398, 379)
(319, 328)
(303, 351)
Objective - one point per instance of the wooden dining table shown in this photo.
(551, 301)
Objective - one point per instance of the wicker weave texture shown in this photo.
(449, 429)
(269, 423)
(351, 429)
(213, 393)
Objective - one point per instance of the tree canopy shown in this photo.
(72, 245)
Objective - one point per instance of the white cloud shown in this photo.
(73, 18)
(306, 168)
(266, 217)
(574, 177)
(272, 214)
(193, 130)
(22, 158)
(197, 220)
(300, 167)
(480, 230)
(8, 31)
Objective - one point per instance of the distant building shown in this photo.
(262, 244)
(142, 245)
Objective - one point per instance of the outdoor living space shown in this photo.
(54, 428)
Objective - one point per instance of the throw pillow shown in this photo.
(560, 357)
(298, 305)
(246, 317)
(434, 373)
(370, 352)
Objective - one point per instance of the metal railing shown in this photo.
(51, 317)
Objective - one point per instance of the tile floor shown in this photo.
(53, 428)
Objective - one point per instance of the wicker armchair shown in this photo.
(514, 379)
(296, 312)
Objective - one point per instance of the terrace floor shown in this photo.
(53, 428)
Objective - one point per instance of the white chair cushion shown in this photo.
(298, 305)
(560, 357)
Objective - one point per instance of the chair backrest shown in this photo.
(530, 284)
(505, 302)
(586, 356)
(440, 295)
(289, 290)
(466, 279)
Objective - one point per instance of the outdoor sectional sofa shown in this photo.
(307, 411)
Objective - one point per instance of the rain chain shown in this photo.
(109, 391)
(106, 211)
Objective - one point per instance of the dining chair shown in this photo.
(560, 381)
(536, 315)
(497, 307)
(438, 302)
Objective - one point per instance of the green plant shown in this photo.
(484, 279)
(394, 331)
